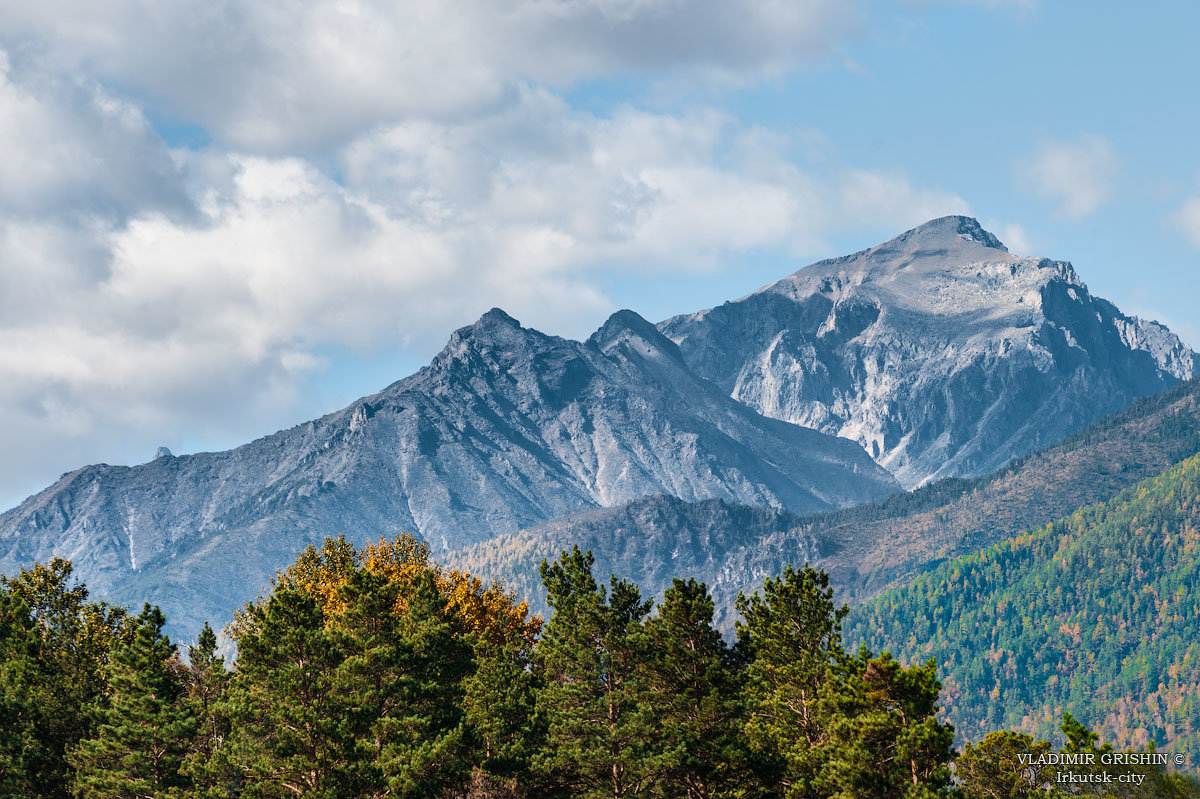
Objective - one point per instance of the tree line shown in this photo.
(377, 673)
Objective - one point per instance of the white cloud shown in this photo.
(1078, 176)
(1014, 236)
(210, 313)
(1187, 219)
(68, 147)
(275, 75)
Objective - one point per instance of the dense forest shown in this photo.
(1097, 614)
(377, 673)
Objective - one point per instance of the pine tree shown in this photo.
(144, 731)
(992, 768)
(792, 633)
(695, 688)
(425, 744)
(21, 677)
(499, 704)
(206, 683)
(594, 697)
(291, 733)
(58, 675)
(884, 738)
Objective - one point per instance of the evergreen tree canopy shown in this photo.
(292, 733)
(145, 728)
(695, 683)
(843, 726)
(595, 697)
(55, 647)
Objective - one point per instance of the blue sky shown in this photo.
(220, 219)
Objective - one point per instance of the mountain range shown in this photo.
(507, 427)
(937, 354)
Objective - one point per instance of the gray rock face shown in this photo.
(506, 428)
(651, 541)
(939, 351)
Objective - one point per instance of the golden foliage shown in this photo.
(483, 608)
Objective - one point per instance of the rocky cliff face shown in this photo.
(939, 351)
(506, 428)
(651, 541)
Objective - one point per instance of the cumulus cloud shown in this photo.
(68, 147)
(277, 75)
(1078, 175)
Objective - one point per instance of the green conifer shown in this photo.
(594, 698)
(993, 767)
(792, 633)
(291, 733)
(884, 738)
(499, 704)
(21, 678)
(425, 745)
(58, 677)
(144, 730)
(695, 688)
(206, 683)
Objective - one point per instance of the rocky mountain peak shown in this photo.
(626, 327)
(496, 338)
(947, 232)
(496, 318)
(939, 351)
(948, 242)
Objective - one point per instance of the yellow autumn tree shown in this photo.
(483, 608)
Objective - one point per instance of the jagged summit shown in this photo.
(945, 232)
(947, 242)
(495, 325)
(628, 327)
(939, 351)
(496, 317)
(495, 338)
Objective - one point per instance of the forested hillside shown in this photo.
(1097, 614)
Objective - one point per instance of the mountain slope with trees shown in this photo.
(1097, 614)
